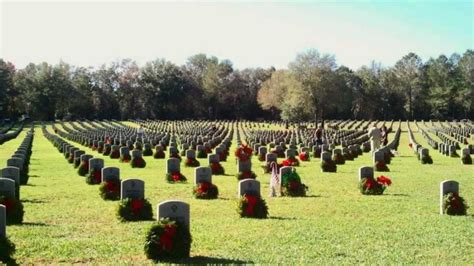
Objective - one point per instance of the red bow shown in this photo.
(251, 202)
(166, 239)
(137, 205)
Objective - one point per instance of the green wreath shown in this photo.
(7, 249)
(252, 206)
(205, 190)
(167, 240)
(134, 210)
(110, 190)
(291, 185)
(454, 204)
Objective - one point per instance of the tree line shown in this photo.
(312, 87)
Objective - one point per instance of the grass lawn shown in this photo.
(66, 221)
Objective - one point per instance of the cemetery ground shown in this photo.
(66, 221)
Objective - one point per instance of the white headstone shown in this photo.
(445, 187)
(175, 210)
(172, 165)
(132, 188)
(213, 158)
(243, 166)
(379, 156)
(249, 186)
(326, 156)
(110, 173)
(366, 171)
(202, 174)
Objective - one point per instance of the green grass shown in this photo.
(66, 221)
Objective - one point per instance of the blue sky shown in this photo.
(250, 34)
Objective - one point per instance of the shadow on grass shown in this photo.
(209, 260)
(398, 195)
(33, 224)
(281, 218)
(33, 201)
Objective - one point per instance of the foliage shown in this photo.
(134, 210)
(453, 204)
(252, 206)
(167, 240)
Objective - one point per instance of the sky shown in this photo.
(248, 33)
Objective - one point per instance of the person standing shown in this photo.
(375, 137)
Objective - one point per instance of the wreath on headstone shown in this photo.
(243, 153)
(175, 177)
(159, 154)
(252, 206)
(107, 151)
(14, 209)
(372, 186)
(131, 209)
(83, 168)
(328, 166)
(201, 153)
(380, 166)
(338, 158)
(138, 162)
(94, 177)
(304, 156)
(125, 158)
(466, 159)
(191, 162)
(425, 159)
(205, 190)
(454, 204)
(110, 190)
(246, 175)
(167, 240)
(114, 154)
(291, 185)
(291, 161)
(7, 249)
(217, 168)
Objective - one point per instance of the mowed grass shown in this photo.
(66, 221)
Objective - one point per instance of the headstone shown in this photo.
(326, 156)
(249, 186)
(379, 156)
(191, 154)
(445, 187)
(12, 173)
(285, 170)
(15, 162)
(244, 166)
(262, 150)
(172, 165)
(213, 158)
(78, 153)
(85, 157)
(290, 153)
(96, 163)
(110, 173)
(466, 151)
(136, 153)
(424, 152)
(175, 210)
(132, 188)
(3, 221)
(270, 157)
(366, 171)
(7, 187)
(202, 174)
(124, 151)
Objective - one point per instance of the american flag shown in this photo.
(275, 179)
